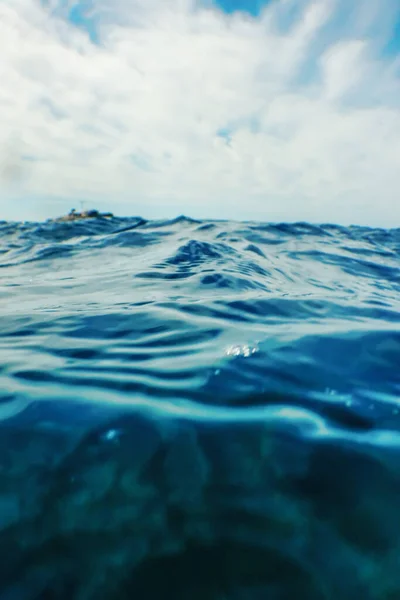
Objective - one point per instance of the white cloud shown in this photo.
(182, 109)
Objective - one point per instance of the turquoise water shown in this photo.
(199, 410)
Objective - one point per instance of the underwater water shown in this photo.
(199, 411)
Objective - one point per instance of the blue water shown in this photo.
(199, 410)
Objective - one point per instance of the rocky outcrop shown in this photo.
(86, 214)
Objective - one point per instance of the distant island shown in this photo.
(86, 214)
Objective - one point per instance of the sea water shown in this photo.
(199, 410)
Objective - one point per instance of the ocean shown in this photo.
(199, 410)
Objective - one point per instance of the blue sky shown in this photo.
(171, 107)
(78, 12)
(253, 7)
(393, 42)
(78, 15)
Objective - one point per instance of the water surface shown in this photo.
(194, 409)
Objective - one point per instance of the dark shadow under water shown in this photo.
(138, 508)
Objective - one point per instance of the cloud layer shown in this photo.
(180, 108)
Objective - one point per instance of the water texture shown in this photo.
(199, 410)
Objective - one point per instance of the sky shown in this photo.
(237, 109)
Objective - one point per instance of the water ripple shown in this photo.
(212, 312)
(199, 409)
